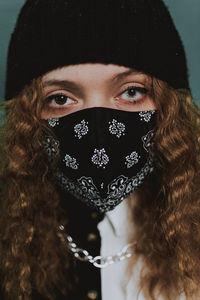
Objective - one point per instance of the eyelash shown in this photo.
(136, 89)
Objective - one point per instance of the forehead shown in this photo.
(91, 71)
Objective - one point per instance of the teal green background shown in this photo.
(186, 15)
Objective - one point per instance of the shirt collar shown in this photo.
(118, 219)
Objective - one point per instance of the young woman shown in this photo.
(100, 159)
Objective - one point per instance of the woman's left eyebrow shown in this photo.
(120, 76)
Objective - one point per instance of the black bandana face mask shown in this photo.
(105, 154)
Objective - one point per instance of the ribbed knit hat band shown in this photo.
(135, 33)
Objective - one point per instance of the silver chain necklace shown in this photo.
(96, 261)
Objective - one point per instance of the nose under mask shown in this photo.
(105, 154)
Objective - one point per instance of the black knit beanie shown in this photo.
(135, 33)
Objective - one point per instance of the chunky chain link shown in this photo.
(97, 261)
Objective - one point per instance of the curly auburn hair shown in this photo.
(166, 215)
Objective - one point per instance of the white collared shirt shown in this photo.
(113, 231)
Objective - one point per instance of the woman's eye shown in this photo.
(134, 93)
(59, 100)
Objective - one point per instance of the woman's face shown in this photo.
(76, 87)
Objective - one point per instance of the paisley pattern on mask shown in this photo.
(100, 158)
(146, 115)
(53, 122)
(147, 140)
(117, 128)
(132, 159)
(70, 162)
(81, 129)
(51, 147)
(105, 154)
